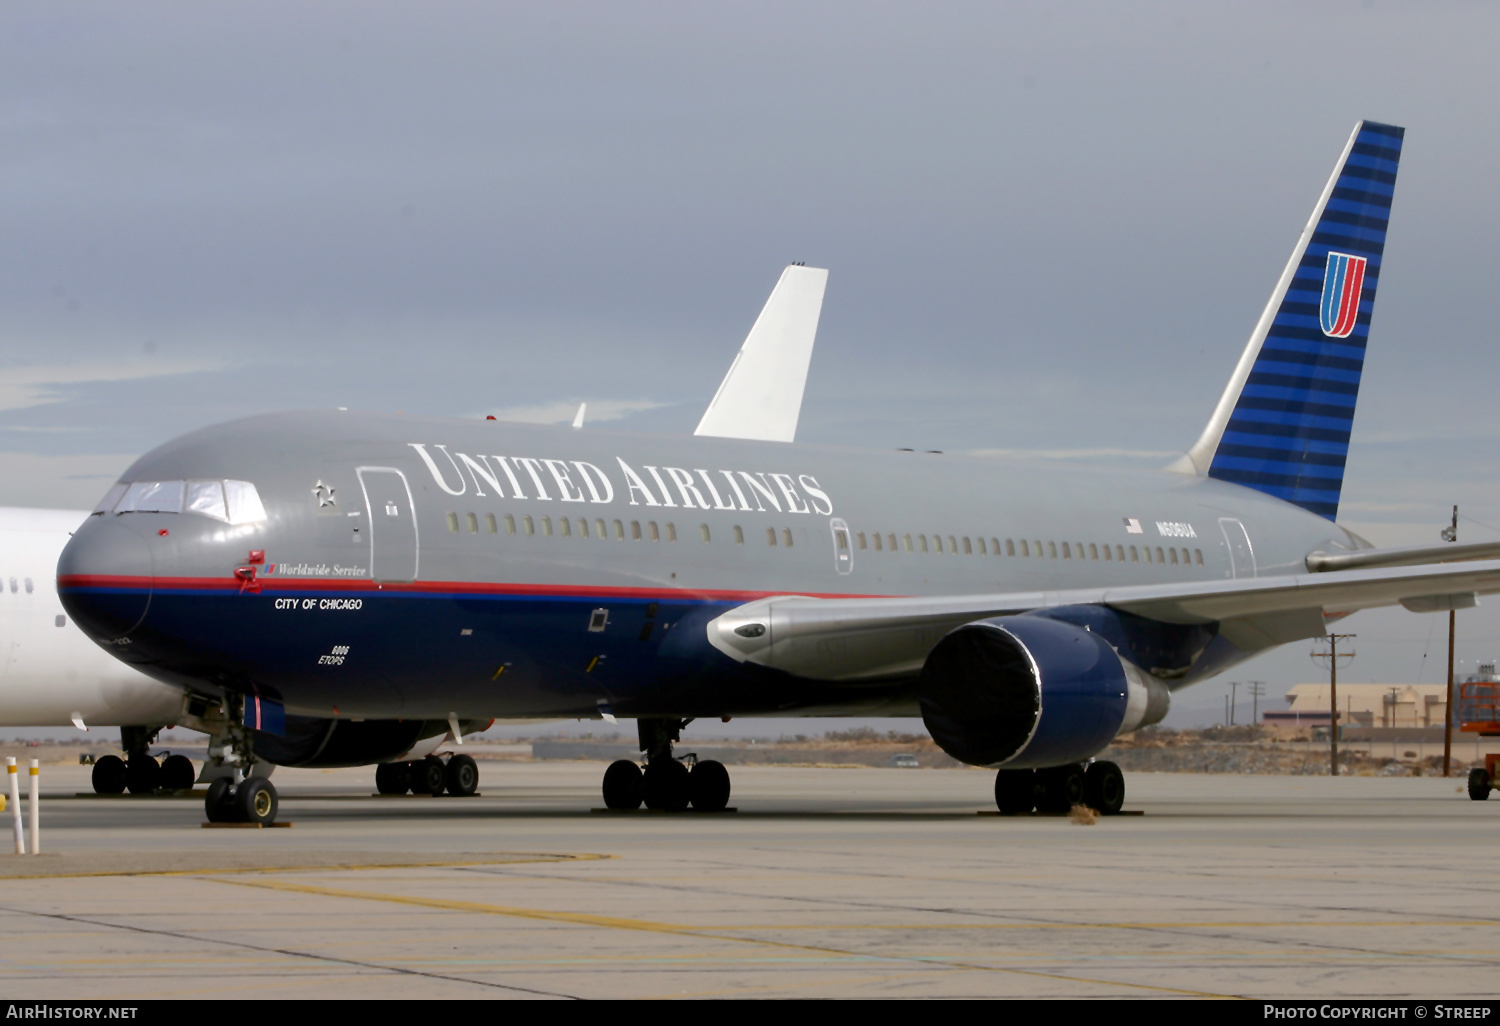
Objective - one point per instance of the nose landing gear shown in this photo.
(668, 784)
(235, 800)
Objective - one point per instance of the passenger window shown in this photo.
(565, 527)
(583, 527)
(510, 524)
(982, 552)
(1052, 549)
(1198, 556)
(13, 586)
(28, 585)
(619, 531)
(922, 542)
(1134, 556)
(770, 536)
(952, 546)
(453, 522)
(1159, 559)
(703, 532)
(635, 530)
(1093, 551)
(207, 498)
(1025, 549)
(1120, 553)
(547, 526)
(1010, 547)
(906, 542)
(671, 531)
(891, 542)
(489, 523)
(599, 531)
(1173, 553)
(878, 546)
(1065, 554)
(994, 546)
(655, 531)
(786, 537)
(527, 526)
(860, 537)
(473, 523)
(739, 535)
(1108, 556)
(1036, 546)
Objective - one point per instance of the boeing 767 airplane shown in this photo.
(328, 587)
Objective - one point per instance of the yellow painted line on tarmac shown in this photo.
(678, 929)
(1107, 926)
(342, 866)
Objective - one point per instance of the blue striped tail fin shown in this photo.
(1283, 424)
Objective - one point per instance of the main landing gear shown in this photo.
(459, 776)
(233, 799)
(138, 772)
(1100, 786)
(667, 783)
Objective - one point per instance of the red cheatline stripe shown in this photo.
(272, 585)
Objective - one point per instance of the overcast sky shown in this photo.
(1050, 228)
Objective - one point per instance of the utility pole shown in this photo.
(1332, 655)
(1257, 690)
(1449, 535)
(1234, 684)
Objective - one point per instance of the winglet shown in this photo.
(578, 417)
(761, 396)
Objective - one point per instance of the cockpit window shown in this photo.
(207, 497)
(152, 497)
(244, 503)
(111, 497)
(235, 502)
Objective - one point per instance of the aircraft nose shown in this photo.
(104, 578)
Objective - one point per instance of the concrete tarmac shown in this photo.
(825, 883)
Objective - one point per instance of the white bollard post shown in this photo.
(34, 807)
(15, 803)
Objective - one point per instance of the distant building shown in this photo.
(1370, 705)
(1363, 705)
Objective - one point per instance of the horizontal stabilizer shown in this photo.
(1405, 555)
(761, 396)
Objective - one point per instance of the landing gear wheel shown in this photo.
(255, 799)
(708, 786)
(664, 786)
(110, 775)
(622, 785)
(462, 776)
(1059, 788)
(176, 773)
(1015, 791)
(218, 806)
(142, 774)
(393, 777)
(1104, 788)
(429, 776)
(1479, 783)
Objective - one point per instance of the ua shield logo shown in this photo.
(1343, 280)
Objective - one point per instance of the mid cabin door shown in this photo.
(1241, 554)
(843, 551)
(393, 524)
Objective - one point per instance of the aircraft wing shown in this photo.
(868, 639)
(761, 396)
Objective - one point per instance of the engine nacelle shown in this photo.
(1028, 691)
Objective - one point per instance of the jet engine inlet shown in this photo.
(1028, 691)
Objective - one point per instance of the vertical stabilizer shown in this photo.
(1282, 425)
(761, 396)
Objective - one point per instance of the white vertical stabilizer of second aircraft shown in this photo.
(761, 396)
